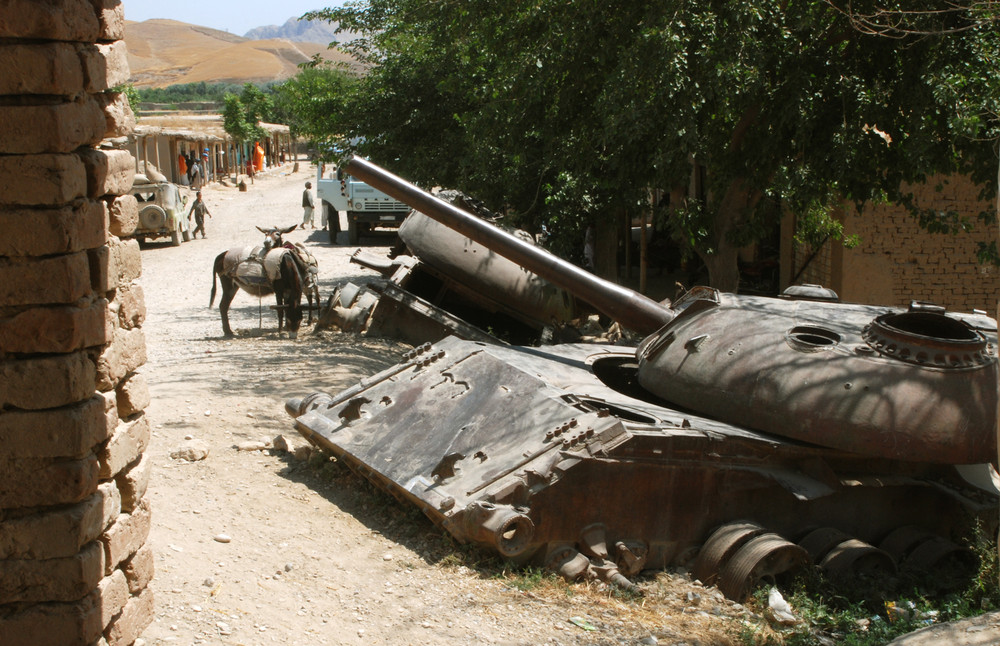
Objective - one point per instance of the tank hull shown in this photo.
(528, 452)
(481, 274)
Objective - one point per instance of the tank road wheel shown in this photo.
(765, 556)
(856, 558)
(352, 229)
(916, 550)
(720, 546)
(819, 542)
(175, 238)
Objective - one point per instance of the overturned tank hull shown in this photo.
(447, 284)
(535, 453)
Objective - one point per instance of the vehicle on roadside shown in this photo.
(366, 207)
(161, 211)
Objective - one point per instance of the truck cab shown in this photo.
(366, 207)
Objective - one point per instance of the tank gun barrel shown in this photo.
(629, 308)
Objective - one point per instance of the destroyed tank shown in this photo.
(442, 283)
(744, 438)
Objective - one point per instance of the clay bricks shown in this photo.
(125, 446)
(137, 614)
(131, 307)
(69, 20)
(132, 395)
(116, 265)
(54, 624)
(104, 66)
(111, 16)
(109, 172)
(119, 120)
(113, 591)
(128, 261)
(59, 128)
(69, 431)
(35, 281)
(48, 231)
(68, 379)
(35, 482)
(62, 69)
(73, 567)
(123, 214)
(63, 579)
(125, 537)
(56, 329)
(139, 569)
(132, 482)
(58, 532)
(122, 356)
(52, 68)
(43, 180)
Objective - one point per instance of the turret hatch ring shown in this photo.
(928, 338)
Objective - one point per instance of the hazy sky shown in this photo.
(235, 16)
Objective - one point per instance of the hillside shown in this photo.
(169, 52)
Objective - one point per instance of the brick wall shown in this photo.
(74, 565)
(898, 261)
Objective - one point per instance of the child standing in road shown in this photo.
(199, 210)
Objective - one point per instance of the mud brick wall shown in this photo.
(898, 261)
(74, 564)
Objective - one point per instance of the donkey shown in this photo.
(273, 267)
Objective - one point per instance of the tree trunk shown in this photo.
(723, 263)
(723, 268)
(606, 247)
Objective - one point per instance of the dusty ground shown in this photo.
(315, 555)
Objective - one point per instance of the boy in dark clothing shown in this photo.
(199, 210)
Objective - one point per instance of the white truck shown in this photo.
(366, 207)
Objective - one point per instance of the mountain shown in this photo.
(169, 52)
(302, 31)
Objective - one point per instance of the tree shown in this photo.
(313, 102)
(740, 110)
(236, 123)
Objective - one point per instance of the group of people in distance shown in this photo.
(192, 169)
(193, 173)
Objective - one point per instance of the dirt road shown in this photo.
(254, 547)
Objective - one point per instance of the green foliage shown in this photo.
(188, 93)
(131, 94)
(242, 114)
(556, 111)
(313, 102)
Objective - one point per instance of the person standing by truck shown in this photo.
(307, 207)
